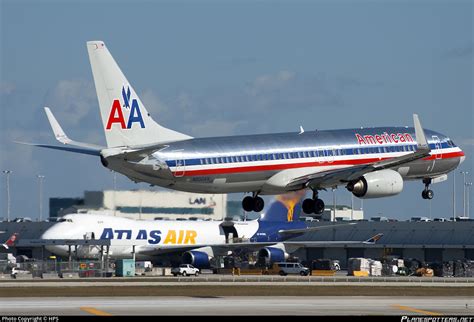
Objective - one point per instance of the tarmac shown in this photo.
(238, 305)
(238, 295)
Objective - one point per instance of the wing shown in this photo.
(310, 229)
(370, 241)
(248, 246)
(333, 178)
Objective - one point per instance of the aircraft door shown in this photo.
(437, 152)
(180, 168)
(325, 154)
(180, 164)
(437, 149)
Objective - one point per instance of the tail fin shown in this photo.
(10, 241)
(285, 208)
(125, 119)
(374, 239)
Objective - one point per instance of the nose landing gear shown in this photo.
(427, 193)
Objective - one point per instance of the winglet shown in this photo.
(419, 133)
(64, 139)
(57, 129)
(374, 239)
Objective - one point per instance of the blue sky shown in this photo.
(210, 68)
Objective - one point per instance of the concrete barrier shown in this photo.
(5, 277)
(25, 276)
(70, 275)
(167, 271)
(50, 275)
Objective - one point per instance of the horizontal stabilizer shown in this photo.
(64, 148)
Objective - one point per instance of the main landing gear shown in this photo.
(314, 205)
(427, 193)
(253, 203)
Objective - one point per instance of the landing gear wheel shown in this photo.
(308, 206)
(258, 204)
(318, 206)
(253, 204)
(427, 194)
(248, 203)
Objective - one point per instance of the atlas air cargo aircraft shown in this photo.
(198, 242)
(369, 162)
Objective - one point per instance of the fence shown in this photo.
(84, 268)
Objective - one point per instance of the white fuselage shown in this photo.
(125, 234)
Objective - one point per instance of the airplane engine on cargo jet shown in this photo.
(199, 258)
(272, 254)
(377, 184)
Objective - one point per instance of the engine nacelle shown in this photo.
(276, 253)
(377, 184)
(199, 258)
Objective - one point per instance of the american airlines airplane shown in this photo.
(198, 242)
(369, 162)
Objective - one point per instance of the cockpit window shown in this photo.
(64, 220)
(451, 143)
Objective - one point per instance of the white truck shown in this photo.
(185, 270)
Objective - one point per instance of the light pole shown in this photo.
(7, 173)
(40, 181)
(468, 186)
(464, 192)
(454, 196)
(352, 206)
(115, 191)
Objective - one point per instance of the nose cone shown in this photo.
(54, 234)
(461, 159)
(51, 233)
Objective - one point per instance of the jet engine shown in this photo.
(276, 253)
(377, 184)
(199, 258)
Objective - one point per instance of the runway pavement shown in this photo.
(253, 305)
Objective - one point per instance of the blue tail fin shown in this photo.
(285, 208)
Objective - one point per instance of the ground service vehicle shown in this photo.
(185, 270)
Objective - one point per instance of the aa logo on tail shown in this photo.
(116, 113)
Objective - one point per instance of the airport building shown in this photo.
(423, 241)
(143, 204)
(342, 213)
